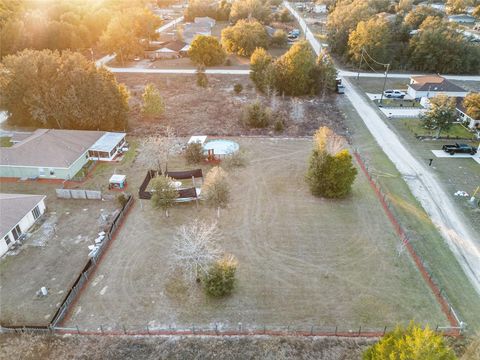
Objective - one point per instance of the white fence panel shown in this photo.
(63, 193)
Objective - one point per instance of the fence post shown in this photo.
(336, 328)
(311, 330)
(193, 328)
(384, 330)
(101, 329)
(124, 330)
(359, 330)
(148, 330)
(264, 329)
(78, 329)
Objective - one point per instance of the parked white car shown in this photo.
(397, 94)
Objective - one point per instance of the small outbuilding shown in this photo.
(117, 181)
(18, 212)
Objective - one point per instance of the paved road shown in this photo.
(461, 238)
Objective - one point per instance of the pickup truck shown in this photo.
(397, 94)
(459, 149)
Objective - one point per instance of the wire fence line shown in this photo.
(215, 330)
(456, 323)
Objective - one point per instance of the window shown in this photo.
(52, 172)
(16, 232)
(36, 212)
(7, 239)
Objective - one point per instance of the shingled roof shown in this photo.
(50, 148)
(433, 83)
(14, 207)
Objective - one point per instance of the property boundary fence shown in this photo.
(456, 324)
(78, 194)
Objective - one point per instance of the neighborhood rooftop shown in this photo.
(434, 83)
(52, 148)
(13, 208)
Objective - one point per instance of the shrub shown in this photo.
(228, 62)
(220, 278)
(202, 79)
(279, 38)
(411, 343)
(279, 125)
(122, 199)
(235, 160)
(237, 88)
(256, 115)
(285, 16)
(153, 103)
(194, 153)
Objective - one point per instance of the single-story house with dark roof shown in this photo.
(465, 118)
(18, 213)
(432, 85)
(58, 154)
(170, 50)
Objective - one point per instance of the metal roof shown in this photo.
(108, 141)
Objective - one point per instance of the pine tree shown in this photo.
(153, 103)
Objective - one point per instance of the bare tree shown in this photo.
(328, 142)
(195, 248)
(216, 190)
(156, 149)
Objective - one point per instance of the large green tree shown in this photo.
(164, 193)
(373, 36)
(49, 89)
(417, 16)
(246, 9)
(260, 69)
(244, 37)
(206, 51)
(326, 73)
(439, 48)
(295, 71)
(120, 38)
(413, 343)
(441, 113)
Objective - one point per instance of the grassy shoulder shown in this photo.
(456, 131)
(425, 238)
(5, 141)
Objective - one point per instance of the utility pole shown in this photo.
(360, 65)
(384, 83)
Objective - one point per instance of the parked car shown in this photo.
(459, 149)
(397, 94)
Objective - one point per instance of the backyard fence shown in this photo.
(456, 324)
(90, 266)
(81, 194)
(217, 329)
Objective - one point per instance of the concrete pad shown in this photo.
(400, 112)
(443, 154)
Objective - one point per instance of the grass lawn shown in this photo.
(5, 141)
(302, 260)
(463, 174)
(456, 131)
(398, 103)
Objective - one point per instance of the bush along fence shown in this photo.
(77, 286)
(456, 325)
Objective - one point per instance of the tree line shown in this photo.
(418, 38)
(75, 25)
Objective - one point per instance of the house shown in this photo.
(191, 30)
(19, 213)
(462, 19)
(465, 118)
(205, 21)
(58, 154)
(432, 85)
(169, 50)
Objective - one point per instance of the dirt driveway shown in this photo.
(302, 260)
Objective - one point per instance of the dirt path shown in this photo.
(426, 188)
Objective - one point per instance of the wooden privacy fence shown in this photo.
(81, 194)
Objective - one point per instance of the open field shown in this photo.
(424, 236)
(216, 110)
(302, 260)
(53, 255)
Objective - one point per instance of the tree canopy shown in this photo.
(247, 9)
(373, 35)
(441, 113)
(49, 89)
(441, 49)
(164, 194)
(153, 103)
(244, 37)
(472, 105)
(413, 343)
(206, 51)
(259, 68)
